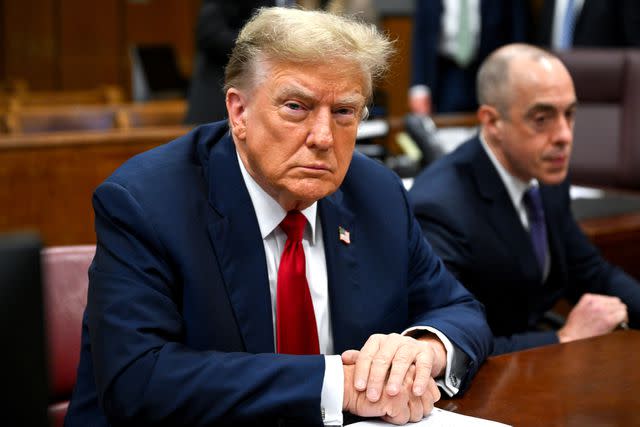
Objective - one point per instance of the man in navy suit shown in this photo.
(183, 323)
(442, 71)
(518, 258)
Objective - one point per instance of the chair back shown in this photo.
(607, 130)
(65, 278)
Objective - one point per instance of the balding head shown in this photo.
(502, 70)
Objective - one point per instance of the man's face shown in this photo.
(295, 131)
(534, 139)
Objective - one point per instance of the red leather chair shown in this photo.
(65, 273)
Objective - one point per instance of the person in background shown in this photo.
(497, 210)
(450, 40)
(218, 25)
(246, 274)
(563, 24)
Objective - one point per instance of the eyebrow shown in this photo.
(308, 96)
(543, 107)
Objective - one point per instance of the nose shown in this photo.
(321, 130)
(564, 131)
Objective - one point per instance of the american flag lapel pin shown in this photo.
(344, 235)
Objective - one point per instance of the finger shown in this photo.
(416, 409)
(400, 364)
(430, 397)
(380, 364)
(397, 412)
(350, 357)
(363, 364)
(424, 364)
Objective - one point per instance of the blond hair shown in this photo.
(306, 36)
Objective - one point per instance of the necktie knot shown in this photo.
(293, 225)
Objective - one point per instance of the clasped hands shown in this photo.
(392, 377)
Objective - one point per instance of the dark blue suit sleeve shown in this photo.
(437, 299)
(589, 272)
(144, 372)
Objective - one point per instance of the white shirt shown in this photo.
(558, 19)
(270, 214)
(516, 189)
(450, 26)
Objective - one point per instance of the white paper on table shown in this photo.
(439, 418)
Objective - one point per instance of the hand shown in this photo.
(399, 409)
(420, 104)
(393, 355)
(593, 315)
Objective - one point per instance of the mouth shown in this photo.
(316, 168)
(557, 160)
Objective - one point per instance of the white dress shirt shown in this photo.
(270, 214)
(558, 20)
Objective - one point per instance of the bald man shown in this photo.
(497, 210)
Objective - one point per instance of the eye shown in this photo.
(570, 115)
(345, 111)
(293, 106)
(540, 119)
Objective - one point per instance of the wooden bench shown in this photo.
(92, 117)
(105, 94)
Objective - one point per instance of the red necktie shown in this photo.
(295, 319)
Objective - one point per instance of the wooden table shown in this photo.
(592, 382)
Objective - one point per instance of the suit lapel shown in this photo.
(341, 266)
(505, 222)
(235, 236)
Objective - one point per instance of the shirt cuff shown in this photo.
(450, 381)
(419, 90)
(332, 391)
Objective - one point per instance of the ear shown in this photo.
(237, 110)
(489, 118)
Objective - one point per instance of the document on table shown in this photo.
(439, 418)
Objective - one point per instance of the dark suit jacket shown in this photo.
(178, 326)
(453, 88)
(219, 23)
(612, 23)
(467, 215)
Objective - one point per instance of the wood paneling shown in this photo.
(29, 42)
(91, 44)
(170, 22)
(396, 84)
(79, 44)
(48, 179)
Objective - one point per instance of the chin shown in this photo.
(552, 178)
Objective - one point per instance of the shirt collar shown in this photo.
(515, 186)
(268, 212)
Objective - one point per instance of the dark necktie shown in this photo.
(537, 227)
(295, 319)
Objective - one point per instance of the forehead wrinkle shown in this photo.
(294, 90)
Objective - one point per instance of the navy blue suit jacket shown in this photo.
(452, 87)
(178, 326)
(466, 213)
